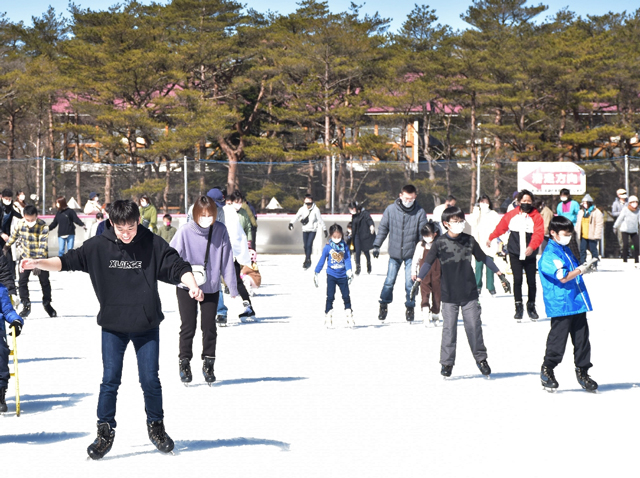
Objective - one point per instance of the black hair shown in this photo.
(349, 225)
(235, 195)
(451, 197)
(335, 228)
(452, 211)
(167, 216)
(538, 204)
(560, 223)
(7, 193)
(565, 191)
(523, 193)
(483, 197)
(355, 205)
(29, 210)
(430, 229)
(99, 215)
(124, 211)
(409, 189)
(308, 196)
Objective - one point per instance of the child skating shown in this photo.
(339, 273)
(430, 286)
(459, 291)
(10, 316)
(567, 302)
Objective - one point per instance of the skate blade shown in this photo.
(549, 389)
(487, 377)
(186, 384)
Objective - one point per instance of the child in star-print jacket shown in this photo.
(338, 258)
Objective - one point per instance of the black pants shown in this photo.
(242, 290)
(359, 249)
(23, 286)
(529, 267)
(188, 308)
(625, 246)
(561, 328)
(307, 239)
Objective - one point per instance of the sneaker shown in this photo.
(185, 371)
(3, 402)
(446, 370)
(410, 314)
(484, 368)
(26, 309)
(548, 378)
(249, 315)
(207, 369)
(328, 319)
(584, 380)
(50, 310)
(349, 314)
(103, 442)
(519, 311)
(382, 314)
(531, 311)
(159, 437)
(221, 320)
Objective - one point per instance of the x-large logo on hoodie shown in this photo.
(125, 264)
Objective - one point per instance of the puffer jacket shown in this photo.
(403, 227)
(596, 222)
(627, 221)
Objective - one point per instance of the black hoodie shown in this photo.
(125, 277)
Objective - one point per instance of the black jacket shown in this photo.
(65, 219)
(125, 277)
(6, 275)
(360, 225)
(7, 213)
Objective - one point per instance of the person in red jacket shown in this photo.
(527, 232)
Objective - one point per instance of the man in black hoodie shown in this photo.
(125, 264)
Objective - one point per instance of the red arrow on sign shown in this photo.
(529, 178)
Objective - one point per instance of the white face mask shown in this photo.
(428, 240)
(205, 222)
(484, 206)
(6, 202)
(563, 240)
(21, 197)
(337, 241)
(564, 199)
(237, 206)
(456, 227)
(408, 204)
(143, 203)
(30, 224)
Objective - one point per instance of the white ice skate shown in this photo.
(328, 320)
(349, 315)
(436, 320)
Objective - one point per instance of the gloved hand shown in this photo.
(349, 276)
(415, 288)
(315, 279)
(17, 326)
(326, 233)
(36, 271)
(375, 252)
(588, 267)
(290, 227)
(505, 284)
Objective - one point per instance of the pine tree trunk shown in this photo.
(78, 164)
(474, 156)
(52, 152)
(11, 149)
(497, 166)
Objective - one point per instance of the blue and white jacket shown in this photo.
(8, 313)
(339, 259)
(561, 299)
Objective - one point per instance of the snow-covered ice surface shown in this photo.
(296, 399)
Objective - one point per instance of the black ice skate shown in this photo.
(446, 370)
(368, 267)
(484, 368)
(26, 309)
(221, 320)
(103, 442)
(382, 314)
(306, 264)
(548, 379)
(249, 315)
(3, 403)
(410, 314)
(358, 270)
(531, 311)
(159, 437)
(50, 310)
(185, 371)
(519, 311)
(207, 370)
(585, 381)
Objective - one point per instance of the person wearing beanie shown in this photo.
(589, 229)
(627, 224)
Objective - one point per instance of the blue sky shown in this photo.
(447, 10)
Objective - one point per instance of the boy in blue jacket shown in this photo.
(339, 273)
(9, 315)
(566, 302)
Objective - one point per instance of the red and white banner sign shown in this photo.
(550, 178)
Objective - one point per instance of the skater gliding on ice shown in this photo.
(567, 302)
(430, 286)
(311, 219)
(125, 264)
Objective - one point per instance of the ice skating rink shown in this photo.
(294, 399)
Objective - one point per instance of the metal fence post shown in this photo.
(626, 173)
(44, 186)
(186, 199)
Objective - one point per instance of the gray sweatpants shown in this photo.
(472, 326)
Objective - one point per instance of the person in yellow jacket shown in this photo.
(589, 228)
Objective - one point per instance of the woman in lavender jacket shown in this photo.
(191, 243)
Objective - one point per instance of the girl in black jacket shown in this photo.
(66, 218)
(363, 234)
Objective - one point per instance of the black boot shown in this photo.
(50, 310)
(358, 270)
(519, 311)
(446, 370)
(410, 314)
(26, 308)
(3, 403)
(383, 312)
(484, 368)
(159, 437)
(548, 378)
(531, 311)
(103, 442)
(185, 371)
(584, 380)
(368, 267)
(207, 370)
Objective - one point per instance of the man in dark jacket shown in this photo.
(7, 213)
(125, 264)
(402, 222)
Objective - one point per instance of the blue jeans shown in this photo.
(307, 239)
(65, 243)
(343, 283)
(592, 245)
(222, 309)
(386, 296)
(147, 347)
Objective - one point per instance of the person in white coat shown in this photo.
(627, 223)
(483, 222)
(311, 219)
